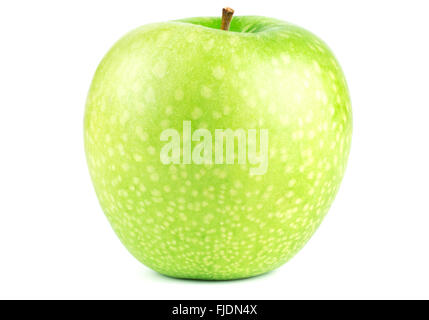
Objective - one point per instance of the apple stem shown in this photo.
(226, 18)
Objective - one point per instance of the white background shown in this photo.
(54, 239)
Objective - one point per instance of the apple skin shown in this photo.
(217, 221)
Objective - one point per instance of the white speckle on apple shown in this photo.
(196, 113)
(169, 111)
(159, 69)
(165, 123)
(219, 72)
(217, 115)
(206, 92)
(178, 94)
(151, 150)
(154, 177)
(291, 183)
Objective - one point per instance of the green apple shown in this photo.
(185, 205)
